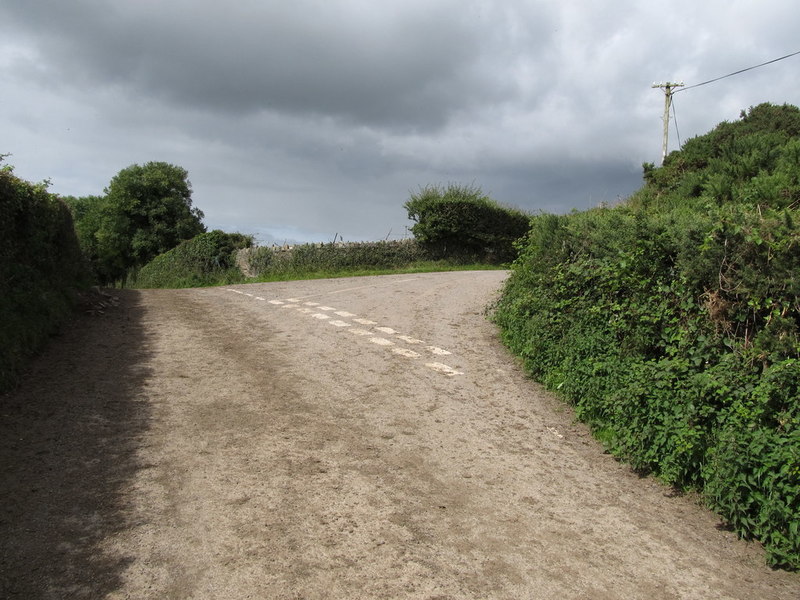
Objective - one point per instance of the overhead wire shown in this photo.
(675, 120)
(769, 62)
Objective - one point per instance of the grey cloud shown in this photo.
(407, 68)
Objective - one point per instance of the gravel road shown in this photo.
(349, 438)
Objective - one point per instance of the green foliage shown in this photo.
(41, 269)
(461, 222)
(205, 260)
(146, 211)
(671, 322)
(308, 259)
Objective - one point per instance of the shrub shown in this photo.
(461, 222)
(207, 259)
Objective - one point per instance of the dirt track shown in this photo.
(218, 444)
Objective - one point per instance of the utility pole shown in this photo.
(668, 91)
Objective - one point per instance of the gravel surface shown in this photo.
(349, 438)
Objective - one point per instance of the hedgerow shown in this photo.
(205, 260)
(41, 270)
(320, 258)
(672, 322)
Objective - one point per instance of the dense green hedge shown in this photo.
(41, 269)
(207, 259)
(673, 322)
(460, 222)
(310, 258)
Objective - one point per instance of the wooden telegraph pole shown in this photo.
(668, 91)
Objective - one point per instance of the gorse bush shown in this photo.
(671, 322)
(41, 270)
(207, 259)
(461, 223)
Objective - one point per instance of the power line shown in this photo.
(769, 62)
(675, 120)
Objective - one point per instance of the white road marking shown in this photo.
(441, 368)
(361, 287)
(379, 341)
(438, 351)
(405, 352)
(365, 322)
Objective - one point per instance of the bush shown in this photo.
(207, 259)
(41, 269)
(672, 323)
(461, 222)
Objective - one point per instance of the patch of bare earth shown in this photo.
(242, 443)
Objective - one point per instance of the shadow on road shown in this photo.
(68, 449)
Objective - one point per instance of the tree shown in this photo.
(146, 211)
(149, 211)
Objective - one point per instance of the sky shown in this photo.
(301, 121)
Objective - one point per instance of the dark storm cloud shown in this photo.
(353, 60)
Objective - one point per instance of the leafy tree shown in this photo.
(146, 211)
(462, 222)
(151, 211)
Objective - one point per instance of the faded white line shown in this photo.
(306, 311)
(320, 316)
(357, 331)
(388, 330)
(405, 352)
(293, 300)
(381, 341)
(364, 322)
(277, 302)
(311, 303)
(259, 298)
(409, 339)
(438, 351)
(344, 313)
(328, 308)
(340, 323)
(442, 368)
(361, 287)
